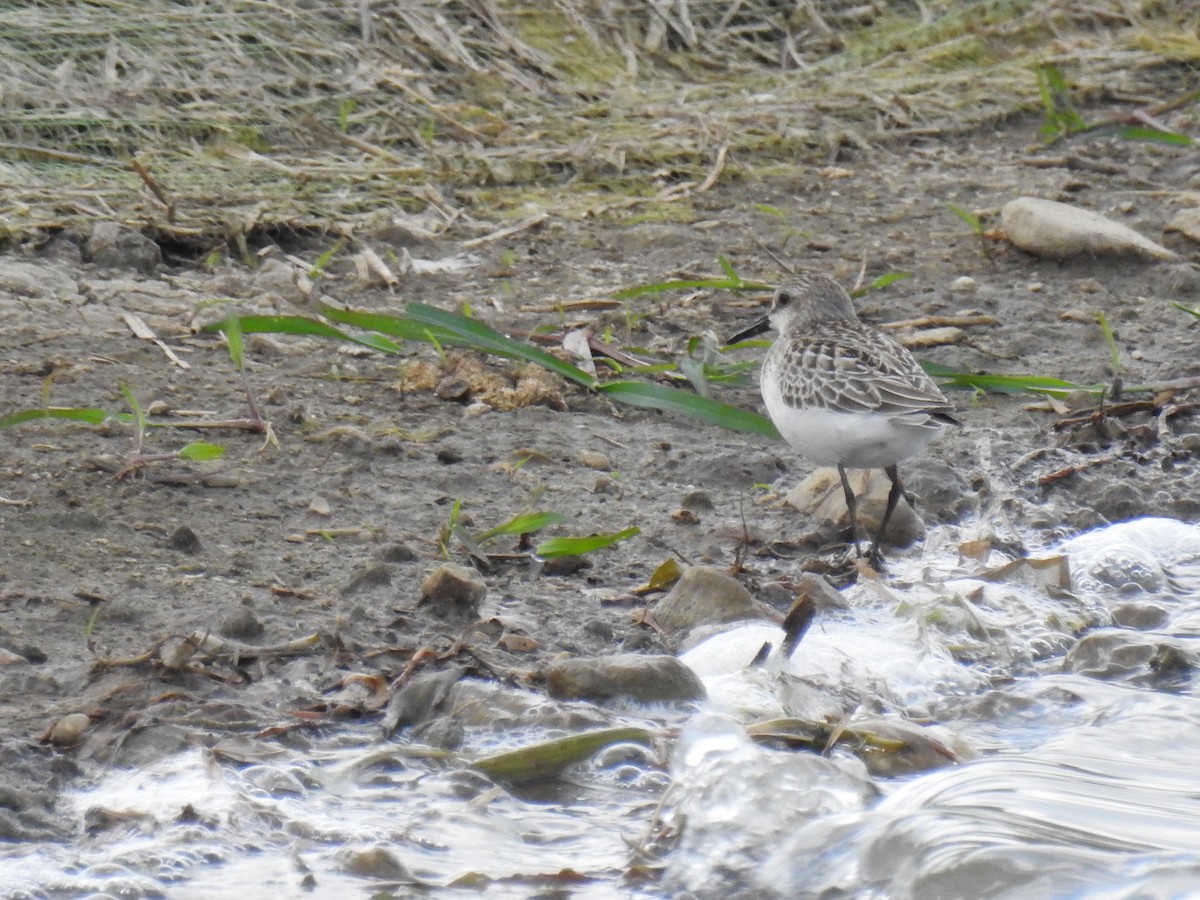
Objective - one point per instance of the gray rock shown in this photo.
(1119, 501)
(375, 862)
(397, 553)
(1140, 616)
(941, 491)
(243, 625)
(114, 247)
(277, 279)
(453, 592)
(633, 676)
(420, 699)
(185, 540)
(373, 576)
(565, 565)
(705, 596)
(1149, 658)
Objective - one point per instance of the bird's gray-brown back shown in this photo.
(825, 358)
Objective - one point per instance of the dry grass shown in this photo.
(206, 123)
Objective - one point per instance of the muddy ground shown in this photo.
(96, 568)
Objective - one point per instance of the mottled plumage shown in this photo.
(842, 393)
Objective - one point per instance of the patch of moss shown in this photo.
(674, 212)
(582, 61)
(1178, 46)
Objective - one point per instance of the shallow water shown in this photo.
(1077, 734)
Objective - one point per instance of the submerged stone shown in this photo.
(632, 676)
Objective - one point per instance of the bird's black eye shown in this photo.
(783, 299)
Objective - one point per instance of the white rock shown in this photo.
(1048, 228)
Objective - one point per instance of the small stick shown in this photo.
(151, 182)
(523, 225)
(716, 170)
(146, 333)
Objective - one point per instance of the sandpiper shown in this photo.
(842, 393)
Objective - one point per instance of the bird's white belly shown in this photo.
(858, 440)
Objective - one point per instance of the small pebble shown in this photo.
(594, 459)
(243, 625)
(397, 553)
(565, 565)
(374, 862)
(452, 387)
(184, 540)
(320, 506)
(453, 591)
(606, 485)
(69, 729)
(378, 575)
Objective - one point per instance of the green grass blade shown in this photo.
(673, 400)
(728, 284)
(890, 278)
(233, 337)
(302, 325)
(139, 417)
(1187, 309)
(727, 268)
(199, 451)
(90, 415)
(1155, 136)
(578, 546)
(540, 761)
(523, 524)
(967, 216)
(1061, 117)
(395, 326)
(486, 339)
(1114, 352)
(323, 261)
(1006, 384)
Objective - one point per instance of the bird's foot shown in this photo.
(875, 558)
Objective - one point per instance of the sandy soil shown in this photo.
(99, 568)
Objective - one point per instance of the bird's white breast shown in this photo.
(858, 440)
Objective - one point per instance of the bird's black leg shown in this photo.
(850, 507)
(894, 494)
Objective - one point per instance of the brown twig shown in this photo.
(941, 322)
(155, 188)
(1068, 471)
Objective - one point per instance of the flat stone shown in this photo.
(633, 676)
(419, 699)
(705, 595)
(113, 247)
(1059, 230)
